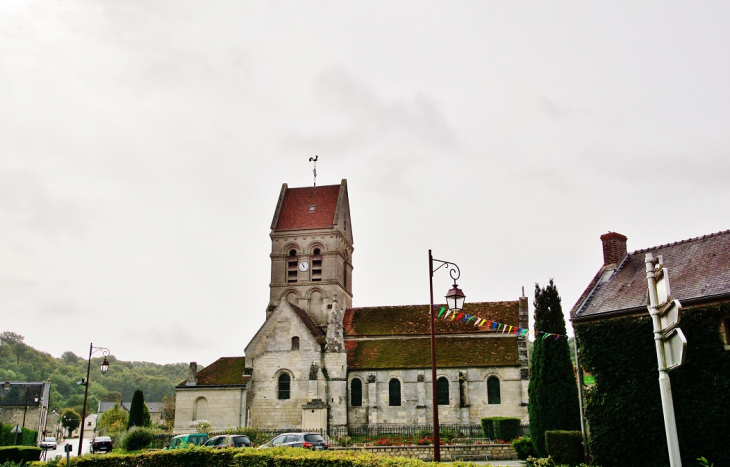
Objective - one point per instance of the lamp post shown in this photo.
(455, 301)
(103, 367)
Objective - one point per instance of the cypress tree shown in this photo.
(136, 411)
(553, 392)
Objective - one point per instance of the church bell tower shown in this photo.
(311, 250)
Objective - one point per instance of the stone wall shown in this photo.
(14, 416)
(467, 396)
(223, 407)
(425, 453)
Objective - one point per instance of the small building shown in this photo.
(25, 405)
(90, 423)
(155, 409)
(615, 336)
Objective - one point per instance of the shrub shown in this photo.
(288, 457)
(203, 427)
(539, 462)
(524, 448)
(138, 438)
(19, 454)
(279, 457)
(565, 447)
(487, 427)
(500, 427)
(447, 435)
(26, 438)
(343, 441)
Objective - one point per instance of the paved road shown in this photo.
(74, 442)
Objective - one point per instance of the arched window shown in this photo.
(493, 396)
(316, 265)
(295, 343)
(284, 386)
(394, 392)
(442, 384)
(356, 393)
(291, 266)
(200, 411)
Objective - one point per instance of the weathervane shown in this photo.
(314, 159)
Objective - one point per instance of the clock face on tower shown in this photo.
(303, 266)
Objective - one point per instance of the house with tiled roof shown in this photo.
(614, 333)
(155, 409)
(316, 362)
(25, 404)
(700, 274)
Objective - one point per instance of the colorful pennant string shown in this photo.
(493, 325)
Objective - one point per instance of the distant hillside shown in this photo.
(21, 362)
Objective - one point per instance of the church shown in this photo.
(318, 363)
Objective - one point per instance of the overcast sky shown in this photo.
(143, 145)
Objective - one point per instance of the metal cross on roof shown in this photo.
(314, 159)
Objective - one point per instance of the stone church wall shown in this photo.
(222, 408)
(268, 410)
(468, 401)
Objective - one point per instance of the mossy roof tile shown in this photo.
(451, 352)
(224, 371)
(414, 319)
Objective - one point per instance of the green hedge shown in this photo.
(624, 408)
(504, 428)
(27, 438)
(274, 457)
(565, 447)
(290, 457)
(188, 457)
(19, 454)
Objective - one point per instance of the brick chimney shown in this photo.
(614, 248)
(192, 375)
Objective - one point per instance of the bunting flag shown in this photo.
(495, 326)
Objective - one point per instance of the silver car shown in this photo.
(49, 443)
(311, 441)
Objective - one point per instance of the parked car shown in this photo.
(49, 443)
(181, 441)
(101, 444)
(228, 441)
(298, 440)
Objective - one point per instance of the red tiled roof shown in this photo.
(295, 213)
(224, 371)
(699, 268)
(451, 352)
(414, 319)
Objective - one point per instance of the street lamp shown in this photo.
(103, 368)
(455, 301)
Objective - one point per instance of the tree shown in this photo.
(136, 411)
(146, 416)
(70, 358)
(70, 419)
(8, 337)
(113, 421)
(553, 392)
(111, 396)
(168, 412)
